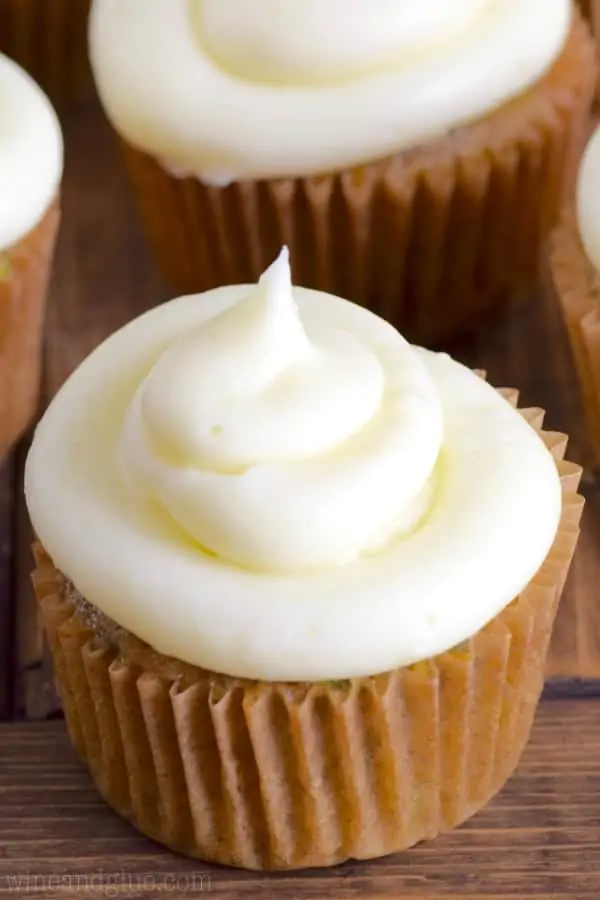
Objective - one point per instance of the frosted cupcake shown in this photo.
(31, 158)
(412, 156)
(575, 265)
(298, 576)
(49, 39)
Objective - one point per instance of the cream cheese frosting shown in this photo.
(271, 483)
(31, 153)
(243, 89)
(588, 200)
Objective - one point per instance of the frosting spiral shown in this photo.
(270, 482)
(252, 405)
(322, 85)
(588, 200)
(31, 153)
(291, 43)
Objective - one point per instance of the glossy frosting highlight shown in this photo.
(272, 483)
(283, 42)
(267, 88)
(31, 153)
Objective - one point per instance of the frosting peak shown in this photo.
(253, 404)
(202, 399)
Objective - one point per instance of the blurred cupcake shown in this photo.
(575, 264)
(49, 39)
(298, 576)
(412, 160)
(31, 158)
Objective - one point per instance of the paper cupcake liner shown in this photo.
(24, 274)
(48, 38)
(431, 239)
(277, 776)
(578, 287)
(591, 11)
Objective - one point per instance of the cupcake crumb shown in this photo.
(103, 627)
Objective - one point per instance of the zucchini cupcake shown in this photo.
(49, 39)
(31, 160)
(413, 158)
(575, 262)
(298, 576)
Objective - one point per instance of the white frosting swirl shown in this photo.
(251, 405)
(31, 153)
(588, 200)
(270, 482)
(233, 89)
(316, 42)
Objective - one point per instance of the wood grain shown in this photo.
(540, 838)
(50, 41)
(104, 277)
(6, 572)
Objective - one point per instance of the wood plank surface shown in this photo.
(6, 593)
(104, 277)
(539, 839)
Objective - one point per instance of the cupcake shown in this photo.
(298, 576)
(413, 161)
(49, 39)
(575, 263)
(31, 157)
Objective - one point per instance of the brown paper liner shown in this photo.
(24, 274)
(276, 776)
(591, 11)
(48, 38)
(431, 239)
(578, 287)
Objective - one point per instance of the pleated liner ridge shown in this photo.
(24, 275)
(49, 39)
(276, 776)
(431, 239)
(591, 10)
(578, 287)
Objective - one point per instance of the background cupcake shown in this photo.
(575, 266)
(416, 167)
(318, 639)
(49, 39)
(30, 172)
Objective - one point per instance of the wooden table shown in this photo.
(539, 839)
